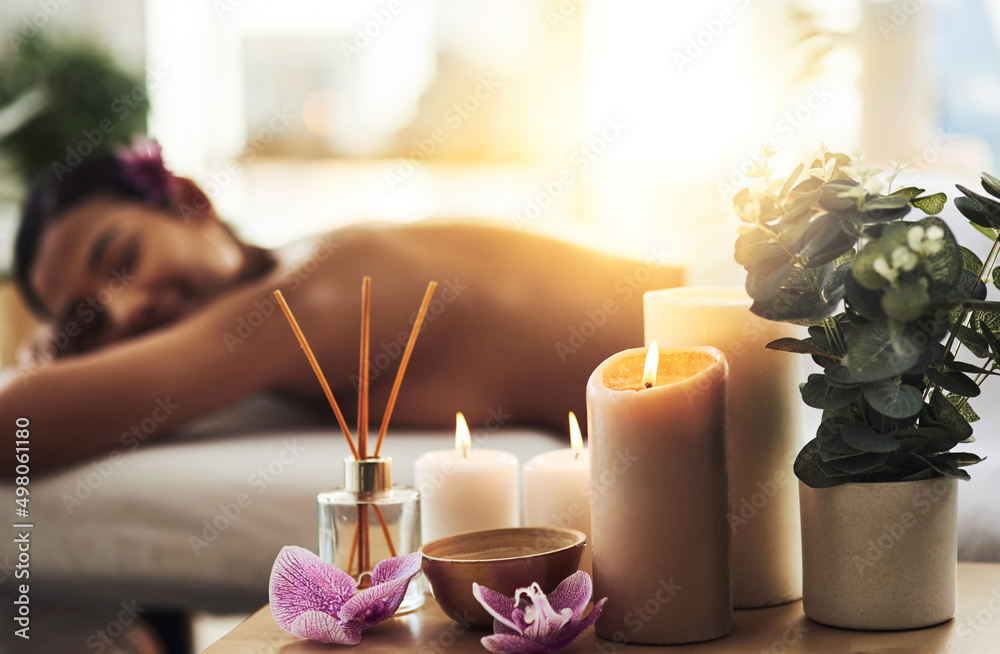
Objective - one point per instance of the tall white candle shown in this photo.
(764, 431)
(465, 489)
(557, 490)
(660, 495)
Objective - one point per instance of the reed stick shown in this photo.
(316, 369)
(402, 365)
(366, 301)
(385, 530)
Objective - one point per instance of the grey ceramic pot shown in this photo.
(880, 556)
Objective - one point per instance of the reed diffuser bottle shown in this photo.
(370, 520)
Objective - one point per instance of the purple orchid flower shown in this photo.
(144, 169)
(312, 599)
(533, 622)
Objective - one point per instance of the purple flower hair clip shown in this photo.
(312, 599)
(532, 622)
(143, 168)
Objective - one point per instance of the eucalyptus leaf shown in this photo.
(905, 302)
(984, 208)
(893, 400)
(991, 184)
(793, 306)
(806, 468)
(996, 276)
(786, 188)
(863, 268)
(962, 404)
(862, 437)
(973, 340)
(840, 376)
(931, 204)
(820, 395)
(797, 346)
(863, 301)
(954, 382)
(951, 418)
(765, 279)
(872, 355)
(860, 463)
(961, 458)
(970, 260)
(946, 264)
(908, 192)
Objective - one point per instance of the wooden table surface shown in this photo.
(975, 628)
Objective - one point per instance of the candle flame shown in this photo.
(652, 360)
(575, 439)
(463, 440)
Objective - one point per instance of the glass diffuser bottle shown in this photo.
(370, 520)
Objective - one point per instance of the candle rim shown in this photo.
(597, 377)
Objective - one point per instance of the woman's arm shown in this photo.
(122, 395)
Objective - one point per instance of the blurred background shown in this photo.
(628, 124)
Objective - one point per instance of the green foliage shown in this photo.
(889, 303)
(82, 90)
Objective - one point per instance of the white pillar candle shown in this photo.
(659, 480)
(557, 490)
(465, 489)
(764, 431)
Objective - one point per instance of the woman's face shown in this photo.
(108, 269)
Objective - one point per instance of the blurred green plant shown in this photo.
(879, 295)
(59, 102)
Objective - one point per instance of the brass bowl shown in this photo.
(500, 559)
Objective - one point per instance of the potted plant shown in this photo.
(890, 302)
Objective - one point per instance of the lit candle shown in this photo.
(465, 489)
(557, 489)
(659, 480)
(764, 431)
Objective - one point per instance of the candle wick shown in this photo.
(649, 384)
(465, 453)
(576, 456)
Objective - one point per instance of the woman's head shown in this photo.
(118, 246)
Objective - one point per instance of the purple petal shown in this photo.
(574, 629)
(301, 582)
(513, 644)
(324, 628)
(499, 606)
(400, 567)
(573, 593)
(375, 604)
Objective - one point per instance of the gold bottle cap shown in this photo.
(368, 475)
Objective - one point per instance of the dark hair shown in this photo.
(51, 195)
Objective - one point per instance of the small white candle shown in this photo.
(557, 490)
(465, 489)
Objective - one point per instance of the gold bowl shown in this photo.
(500, 559)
